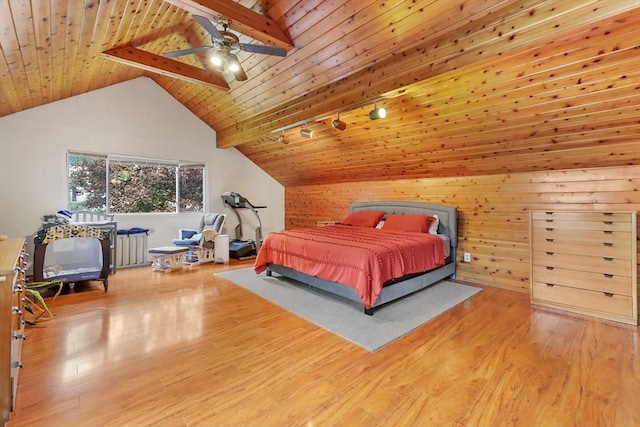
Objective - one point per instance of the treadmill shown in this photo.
(240, 248)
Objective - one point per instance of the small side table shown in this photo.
(167, 258)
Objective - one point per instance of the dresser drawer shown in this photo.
(594, 264)
(611, 283)
(572, 235)
(579, 300)
(586, 216)
(604, 248)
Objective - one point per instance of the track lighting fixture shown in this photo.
(339, 124)
(377, 113)
(306, 133)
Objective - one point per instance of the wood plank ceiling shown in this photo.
(471, 87)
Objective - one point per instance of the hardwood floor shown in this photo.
(188, 348)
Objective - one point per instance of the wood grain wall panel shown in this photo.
(472, 88)
(493, 210)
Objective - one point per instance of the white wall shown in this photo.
(132, 118)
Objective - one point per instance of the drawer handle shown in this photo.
(608, 276)
(549, 220)
(607, 213)
(549, 229)
(549, 240)
(608, 222)
(550, 253)
(609, 244)
(608, 232)
(607, 259)
(550, 268)
(549, 213)
(608, 294)
(550, 285)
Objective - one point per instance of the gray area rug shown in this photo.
(346, 318)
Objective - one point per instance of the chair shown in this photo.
(200, 241)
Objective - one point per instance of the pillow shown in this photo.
(433, 228)
(364, 218)
(410, 222)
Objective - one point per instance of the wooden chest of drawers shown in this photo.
(585, 262)
(12, 283)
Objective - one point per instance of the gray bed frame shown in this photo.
(448, 225)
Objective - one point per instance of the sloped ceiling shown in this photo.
(471, 87)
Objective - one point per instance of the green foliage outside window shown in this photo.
(116, 184)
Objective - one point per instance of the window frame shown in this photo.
(178, 165)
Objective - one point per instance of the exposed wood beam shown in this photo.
(138, 58)
(241, 19)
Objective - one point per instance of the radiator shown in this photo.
(131, 250)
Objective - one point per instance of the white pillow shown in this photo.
(433, 228)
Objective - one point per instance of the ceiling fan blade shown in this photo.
(186, 51)
(240, 75)
(208, 26)
(266, 50)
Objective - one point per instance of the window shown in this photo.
(120, 184)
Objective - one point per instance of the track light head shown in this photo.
(306, 133)
(377, 113)
(339, 124)
(283, 139)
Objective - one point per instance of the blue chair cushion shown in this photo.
(186, 242)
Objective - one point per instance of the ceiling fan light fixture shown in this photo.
(233, 63)
(217, 59)
(306, 133)
(377, 113)
(223, 43)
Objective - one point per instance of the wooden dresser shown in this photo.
(12, 282)
(585, 262)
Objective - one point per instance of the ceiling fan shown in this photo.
(224, 47)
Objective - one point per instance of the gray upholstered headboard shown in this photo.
(448, 215)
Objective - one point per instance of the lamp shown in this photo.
(339, 124)
(377, 113)
(306, 133)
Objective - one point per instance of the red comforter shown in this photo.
(362, 258)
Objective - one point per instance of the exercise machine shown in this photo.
(240, 248)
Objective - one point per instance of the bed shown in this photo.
(327, 258)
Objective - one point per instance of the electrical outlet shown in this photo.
(467, 257)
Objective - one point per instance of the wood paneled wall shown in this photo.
(493, 210)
